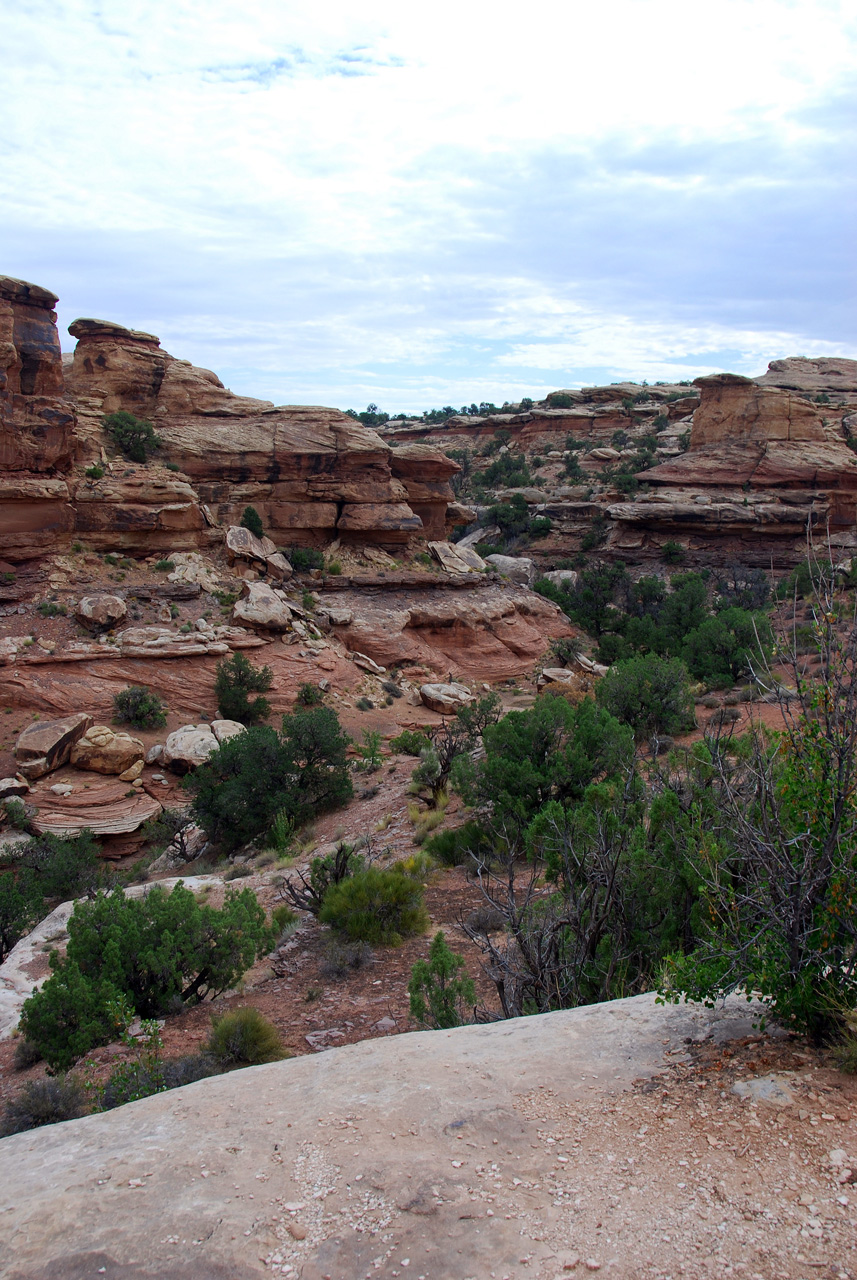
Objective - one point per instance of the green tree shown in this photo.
(235, 680)
(440, 989)
(251, 520)
(551, 752)
(648, 693)
(776, 855)
(139, 956)
(21, 906)
(301, 771)
(723, 648)
(134, 436)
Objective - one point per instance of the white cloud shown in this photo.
(443, 194)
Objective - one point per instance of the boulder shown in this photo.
(338, 617)
(562, 577)
(278, 567)
(100, 613)
(520, 569)
(223, 730)
(17, 786)
(446, 699)
(188, 747)
(47, 744)
(102, 750)
(241, 544)
(455, 558)
(262, 607)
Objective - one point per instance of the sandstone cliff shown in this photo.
(314, 473)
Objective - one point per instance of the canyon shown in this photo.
(372, 1153)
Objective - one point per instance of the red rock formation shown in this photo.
(765, 465)
(313, 473)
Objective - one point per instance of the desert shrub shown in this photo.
(648, 693)
(364, 704)
(235, 680)
(299, 772)
(43, 1102)
(440, 990)
(370, 751)
(244, 1037)
(21, 907)
(63, 867)
(390, 686)
(50, 609)
(94, 473)
(595, 534)
(251, 520)
(140, 1079)
(508, 471)
(342, 958)
(163, 566)
(238, 871)
(673, 553)
(26, 1054)
(334, 568)
(410, 742)
(128, 956)
(134, 436)
(845, 1053)
(449, 742)
(283, 919)
(139, 706)
(309, 695)
(302, 559)
(376, 906)
(16, 814)
(453, 848)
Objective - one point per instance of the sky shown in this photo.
(419, 205)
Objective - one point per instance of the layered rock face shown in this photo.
(313, 473)
(768, 462)
(36, 423)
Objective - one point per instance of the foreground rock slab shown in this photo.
(514, 1148)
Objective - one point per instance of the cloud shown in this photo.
(435, 205)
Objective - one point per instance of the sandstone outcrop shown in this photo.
(766, 464)
(313, 473)
(537, 1146)
(104, 808)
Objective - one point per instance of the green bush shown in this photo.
(376, 906)
(453, 848)
(410, 742)
(649, 693)
(309, 695)
(44, 1102)
(235, 680)
(243, 1037)
(440, 989)
(365, 704)
(300, 772)
(251, 520)
(308, 890)
(302, 559)
(139, 956)
(283, 918)
(134, 1080)
(134, 436)
(94, 473)
(50, 609)
(673, 553)
(140, 707)
(163, 566)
